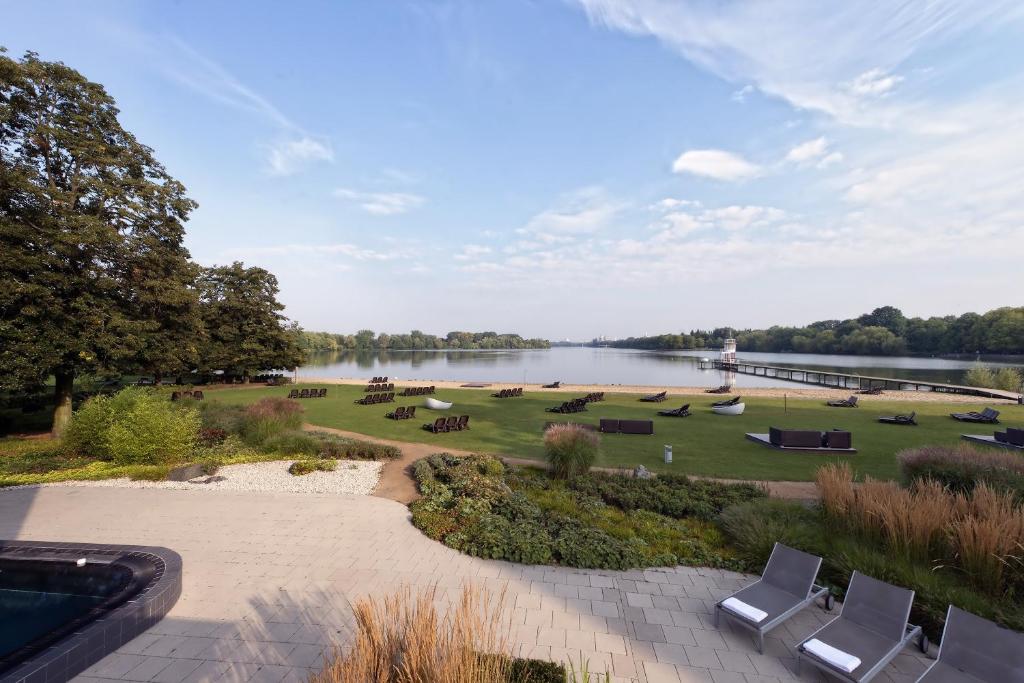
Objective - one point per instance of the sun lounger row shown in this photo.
(724, 389)
(872, 627)
(417, 391)
(379, 380)
(194, 395)
(609, 426)
(909, 420)
(724, 404)
(508, 393)
(448, 424)
(594, 397)
(308, 393)
(871, 391)
(988, 415)
(655, 398)
(553, 385)
(677, 412)
(843, 403)
(374, 399)
(377, 388)
(796, 438)
(402, 413)
(577, 405)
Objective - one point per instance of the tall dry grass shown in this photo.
(403, 639)
(981, 532)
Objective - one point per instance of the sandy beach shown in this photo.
(809, 391)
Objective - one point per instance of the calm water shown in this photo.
(612, 366)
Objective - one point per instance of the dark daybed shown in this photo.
(833, 441)
(1011, 438)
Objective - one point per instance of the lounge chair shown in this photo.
(304, 393)
(871, 629)
(655, 398)
(988, 416)
(175, 395)
(463, 422)
(678, 412)
(452, 423)
(410, 412)
(843, 403)
(975, 649)
(553, 385)
(730, 402)
(871, 391)
(198, 395)
(397, 414)
(785, 588)
(724, 389)
(899, 419)
(294, 393)
(389, 398)
(438, 426)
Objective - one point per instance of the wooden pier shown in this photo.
(842, 380)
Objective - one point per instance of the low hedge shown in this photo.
(301, 467)
(475, 505)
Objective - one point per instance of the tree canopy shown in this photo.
(884, 332)
(416, 340)
(94, 276)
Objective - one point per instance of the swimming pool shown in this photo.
(65, 606)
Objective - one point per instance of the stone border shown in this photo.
(70, 656)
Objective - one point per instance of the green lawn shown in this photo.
(704, 443)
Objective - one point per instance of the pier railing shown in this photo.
(843, 380)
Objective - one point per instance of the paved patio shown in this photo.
(269, 576)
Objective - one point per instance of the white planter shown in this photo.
(736, 409)
(434, 404)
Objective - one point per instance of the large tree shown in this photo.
(245, 330)
(85, 211)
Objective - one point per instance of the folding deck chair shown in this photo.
(871, 629)
(786, 587)
(899, 419)
(975, 649)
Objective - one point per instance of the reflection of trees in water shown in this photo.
(367, 359)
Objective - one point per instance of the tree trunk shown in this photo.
(62, 402)
(158, 378)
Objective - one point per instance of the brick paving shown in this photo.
(268, 580)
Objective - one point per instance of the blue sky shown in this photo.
(581, 167)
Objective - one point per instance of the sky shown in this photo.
(576, 168)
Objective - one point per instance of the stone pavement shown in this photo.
(268, 580)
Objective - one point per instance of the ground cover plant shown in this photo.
(704, 444)
(475, 505)
(951, 547)
(301, 467)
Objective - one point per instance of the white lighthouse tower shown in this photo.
(728, 352)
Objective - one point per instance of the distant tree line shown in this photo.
(884, 331)
(94, 277)
(366, 340)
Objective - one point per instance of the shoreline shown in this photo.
(797, 392)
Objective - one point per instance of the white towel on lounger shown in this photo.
(837, 658)
(744, 610)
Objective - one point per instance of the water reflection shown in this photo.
(610, 366)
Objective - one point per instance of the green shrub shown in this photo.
(292, 443)
(221, 416)
(535, 671)
(578, 545)
(269, 417)
(135, 426)
(300, 467)
(961, 467)
(980, 376)
(754, 527)
(570, 449)
(669, 494)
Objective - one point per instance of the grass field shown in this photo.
(704, 444)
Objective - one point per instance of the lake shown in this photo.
(584, 365)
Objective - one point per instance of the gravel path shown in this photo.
(352, 476)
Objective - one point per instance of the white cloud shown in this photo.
(715, 163)
(290, 156)
(741, 94)
(873, 83)
(581, 212)
(352, 251)
(815, 152)
(828, 57)
(472, 252)
(381, 203)
(673, 203)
